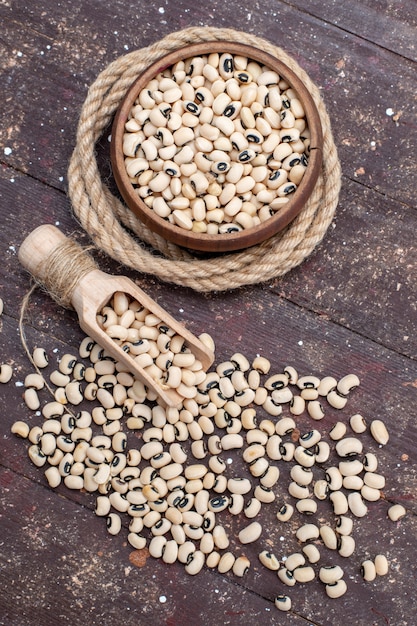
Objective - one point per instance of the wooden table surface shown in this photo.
(350, 307)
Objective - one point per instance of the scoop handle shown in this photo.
(36, 248)
(55, 261)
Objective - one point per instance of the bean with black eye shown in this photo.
(286, 577)
(285, 512)
(241, 566)
(269, 560)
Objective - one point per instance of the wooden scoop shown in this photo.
(92, 291)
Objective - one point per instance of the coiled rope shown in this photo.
(108, 221)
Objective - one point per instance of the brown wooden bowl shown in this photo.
(228, 241)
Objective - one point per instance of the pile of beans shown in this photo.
(152, 344)
(216, 143)
(163, 472)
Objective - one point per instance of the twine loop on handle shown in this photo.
(108, 221)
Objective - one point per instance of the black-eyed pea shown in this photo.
(356, 504)
(65, 443)
(281, 396)
(136, 540)
(178, 533)
(344, 525)
(353, 483)
(297, 405)
(21, 429)
(231, 442)
(368, 570)
(213, 559)
(350, 467)
(334, 478)
(220, 537)
(185, 551)
(371, 479)
(349, 446)
(259, 467)
(241, 566)
(285, 512)
(301, 475)
(285, 426)
(304, 574)
(270, 478)
(31, 399)
(170, 554)
(226, 562)
(74, 482)
(381, 565)
(157, 546)
(36, 455)
(322, 452)
(304, 456)
(309, 439)
(379, 432)
(358, 423)
(250, 533)
(53, 476)
(272, 447)
(33, 380)
(337, 589)
(252, 508)
(347, 384)
(35, 434)
(40, 358)
(327, 384)
(336, 400)
(264, 494)
(338, 431)
(269, 560)
(47, 444)
(312, 553)
(195, 562)
(283, 603)
(307, 532)
(56, 458)
(294, 560)
(114, 523)
(314, 408)
(321, 489)
(370, 494)
(330, 574)
(52, 410)
(261, 395)
(396, 512)
(257, 436)
(339, 502)
(67, 364)
(253, 452)
(287, 450)
(236, 504)
(286, 577)
(346, 545)
(328, 537)
(307, 506)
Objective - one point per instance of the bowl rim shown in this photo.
(227, 242)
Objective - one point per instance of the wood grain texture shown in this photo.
(389, 25)
(350, 307)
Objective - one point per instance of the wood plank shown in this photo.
(52, 514)
(50, 572)
(369, 245)
(313, 345)
(350, 307)
(360, 274)
(363, 82)
(391, 26)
